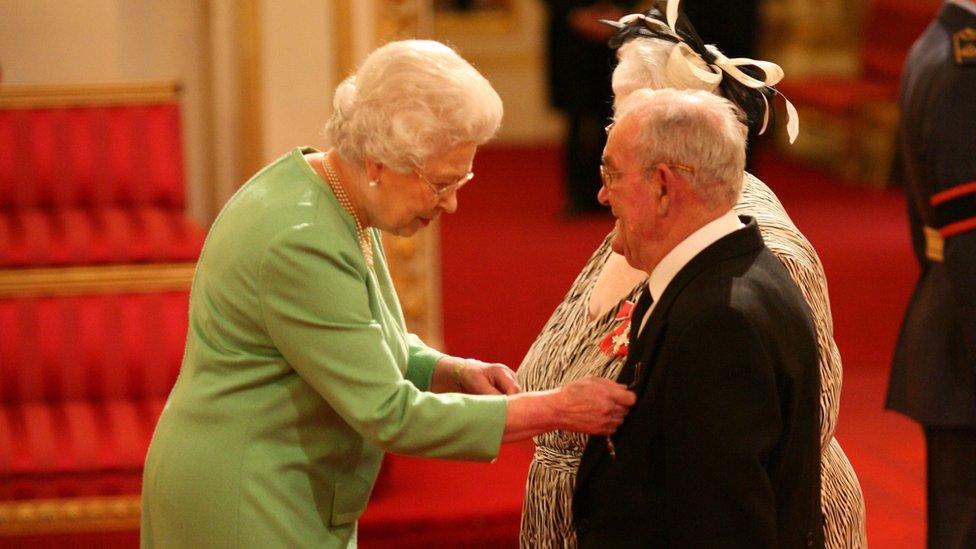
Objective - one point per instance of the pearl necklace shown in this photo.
(365, 237)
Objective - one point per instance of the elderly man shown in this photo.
(722, 448)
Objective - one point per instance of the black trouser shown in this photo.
(951, 478)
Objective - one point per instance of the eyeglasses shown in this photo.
(443, 190)
(608, 177)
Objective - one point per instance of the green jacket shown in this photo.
(298, 373)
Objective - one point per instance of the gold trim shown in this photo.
(401, 19)
(414, 264)
(77, 95)
(964, 46)
(108, 279)
(934, 245)
(248, 23)
(342, 31)
(413, 261)
(50, 516)
(505, 60)
(496, 22)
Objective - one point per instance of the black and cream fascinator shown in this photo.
(749, 83)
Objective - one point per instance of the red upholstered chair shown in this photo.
(96, 258)
(84, 378)
(859, 103)
(92, 180)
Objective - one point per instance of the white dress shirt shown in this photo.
(684, 252)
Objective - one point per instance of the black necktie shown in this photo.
(640, 309)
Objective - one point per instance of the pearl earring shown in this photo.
(374, 183)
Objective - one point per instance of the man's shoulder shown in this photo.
(752, 285)
(766, 279)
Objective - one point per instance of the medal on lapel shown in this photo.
(616, 343)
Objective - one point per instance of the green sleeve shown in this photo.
(420, 368)
(315, 305)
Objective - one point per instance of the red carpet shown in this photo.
(508, 258)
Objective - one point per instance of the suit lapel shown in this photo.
(742, 241)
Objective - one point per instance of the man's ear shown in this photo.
(665, 185)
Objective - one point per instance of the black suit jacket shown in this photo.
(933, 377)
(722, 448)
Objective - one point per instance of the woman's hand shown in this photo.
(467, 375)
(593, 405)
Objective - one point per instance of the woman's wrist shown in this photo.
(456, 374)
(531, 414)
(447, 375)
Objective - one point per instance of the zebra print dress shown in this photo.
(568, 349)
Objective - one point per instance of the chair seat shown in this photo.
(75, 436)
(837, 94)
(35, 237)
(81, 484)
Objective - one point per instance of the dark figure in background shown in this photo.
(580, 64)
(933, 378)
(735, 32)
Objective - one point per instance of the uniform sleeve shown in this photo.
(953, 154)
(315, 306)
(721, 418)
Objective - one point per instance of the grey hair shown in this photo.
(695, 128)
(410, 100)
(640, 64)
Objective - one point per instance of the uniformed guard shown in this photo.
(933, 377)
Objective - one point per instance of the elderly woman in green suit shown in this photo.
(298, 372)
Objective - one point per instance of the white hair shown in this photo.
(694, 128)
(644, 63)
(408, 101)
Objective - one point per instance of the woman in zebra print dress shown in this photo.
(569, 347)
